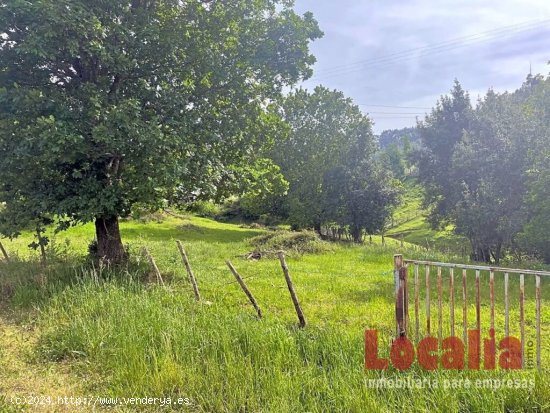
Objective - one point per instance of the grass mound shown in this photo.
(302, 242)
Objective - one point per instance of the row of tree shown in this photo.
(105, 105)
(485, 169)
(331, 161)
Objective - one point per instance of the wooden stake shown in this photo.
(4, 253)
(189, 270)
(244, 288)
(153, 265)
(401, 299)
(397, 264)
(301, 318)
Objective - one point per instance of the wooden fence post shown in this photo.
(401, 298)
(189, 270)
(301, 318)
(416, 304)
(4, 253)
(153, 265)
(245, 288)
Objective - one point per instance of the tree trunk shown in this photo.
(498, 253)
(109, 242)
(317, 228)
(357, 234)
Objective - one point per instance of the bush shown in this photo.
(205, 209)
(300, 242)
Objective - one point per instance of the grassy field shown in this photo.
(74, 330)
(410, 224)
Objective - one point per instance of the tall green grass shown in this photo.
(145, 340)
(150, 342)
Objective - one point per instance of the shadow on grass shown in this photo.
(189, 233)
(27, 285)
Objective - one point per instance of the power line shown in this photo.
(431, 49)
(393, 107)
(518, 26)
(397, 117)
(396, 113)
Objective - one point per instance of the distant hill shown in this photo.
(396, 136)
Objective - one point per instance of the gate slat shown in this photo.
(416, 303)
(452, 292)
(492, 298)
(506, 307)
(478, 304)
(439, 305)
(537, 298)
(428, 326)
(464, 308)
(522, 316)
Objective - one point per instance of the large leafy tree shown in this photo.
(439, 134)
(490, 165)
(323, 125)
(104, 104)
(360, 194)
(535, 235)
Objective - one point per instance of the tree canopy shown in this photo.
(104, 104)
(485, 168)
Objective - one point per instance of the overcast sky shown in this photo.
(408, 52)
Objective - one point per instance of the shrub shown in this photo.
(205, 209)
(300, 242)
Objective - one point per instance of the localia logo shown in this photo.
(450, 354)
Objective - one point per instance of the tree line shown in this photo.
(331, 160)
(105, 106)
(484, 169)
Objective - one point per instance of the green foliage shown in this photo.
(440, 132)
(264, 190)
(476, 168)
(394, 159)
(329, 158)
(206, 209)
(535, 237)
(323, 125)
(490, 164)
(107, 104)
